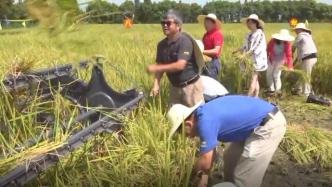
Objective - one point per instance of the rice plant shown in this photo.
(309, 145)
(142, 155)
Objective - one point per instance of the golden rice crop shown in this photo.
(145, 156)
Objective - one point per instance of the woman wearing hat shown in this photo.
(213, 42)
(255, 47)
(279, 52)
(306, 54)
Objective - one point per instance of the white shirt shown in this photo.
(305, 45)
(212, 88)
(256, 42)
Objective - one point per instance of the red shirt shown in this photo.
(288, 56)
(213, 38)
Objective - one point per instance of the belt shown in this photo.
(270, 116)
(310, 56)
(186, 83)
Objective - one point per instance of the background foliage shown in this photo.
(150, 12)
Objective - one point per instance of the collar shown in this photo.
(174, 40)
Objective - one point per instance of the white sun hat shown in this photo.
(178, 113)
(283, 35)
(253, 17)
(302, 26)
(201, 19)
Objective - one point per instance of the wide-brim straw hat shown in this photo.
(302, 26)
(178, 113)
(283, 35)
(253, 17)
(201, 19)
(198, 52)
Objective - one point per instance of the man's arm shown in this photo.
(203, 166)
(168, 68)
(156, 84)
(205, 162)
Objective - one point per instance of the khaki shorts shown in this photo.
(188, 95)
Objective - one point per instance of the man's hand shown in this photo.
(152, 68)
(204, 181)
(155, 91)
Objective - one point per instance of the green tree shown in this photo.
(103, 12)
(195, 10)
(5, 8)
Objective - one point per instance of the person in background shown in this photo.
(253, 127)
(255, 47)
(212, 88)
(213, 41)
(306, 55)
(279, 52)
(176, 58)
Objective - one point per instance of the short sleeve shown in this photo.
(218, 39)
(298, 40)
(208, 133)
(185, 49)
(159, 58)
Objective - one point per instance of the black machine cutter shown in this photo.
(95, 93)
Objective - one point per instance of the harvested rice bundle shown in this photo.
(308, 145)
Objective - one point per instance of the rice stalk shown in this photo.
(308, 145)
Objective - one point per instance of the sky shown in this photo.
(201, 2)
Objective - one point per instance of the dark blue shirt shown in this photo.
(180, 49)
(229, 119)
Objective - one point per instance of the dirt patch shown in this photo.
(284, 173)
(298, 111)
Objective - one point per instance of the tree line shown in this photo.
(151, 12)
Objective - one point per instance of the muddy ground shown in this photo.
(282, 171)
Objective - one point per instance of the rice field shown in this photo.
(145, 156)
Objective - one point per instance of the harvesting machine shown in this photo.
(85, 95)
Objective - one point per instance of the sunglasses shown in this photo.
(167, 23)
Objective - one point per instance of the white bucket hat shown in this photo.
(302, 26)
(283, 35)
(253, 17)
(178, 113)
(201, 19)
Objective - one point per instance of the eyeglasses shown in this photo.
(167, 23)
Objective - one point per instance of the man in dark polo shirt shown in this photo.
(176, 58)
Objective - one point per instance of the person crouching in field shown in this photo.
(279, 52)
(306, 54)
(255, 47)
(213, 41)
(253, 127)
(176, 58)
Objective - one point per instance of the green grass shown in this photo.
(146, 157)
